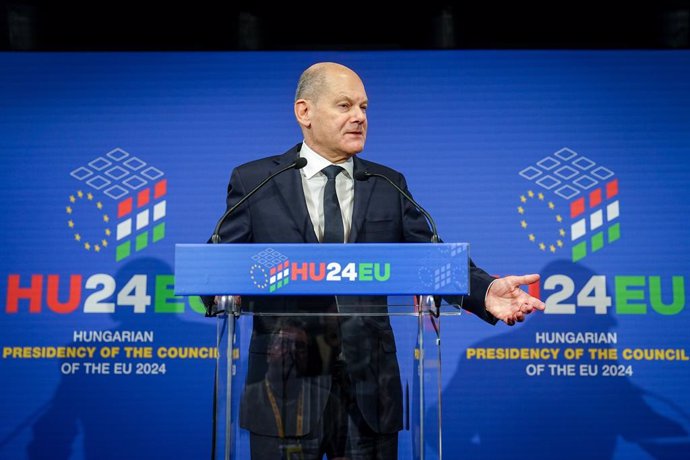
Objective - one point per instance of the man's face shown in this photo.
(339, 117)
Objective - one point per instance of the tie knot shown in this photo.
(331, 171)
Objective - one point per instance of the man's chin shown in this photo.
(354, 148)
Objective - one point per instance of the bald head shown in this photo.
(314, 81)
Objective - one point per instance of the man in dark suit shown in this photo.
(330, 384)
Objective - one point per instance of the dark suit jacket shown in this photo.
(364, 344)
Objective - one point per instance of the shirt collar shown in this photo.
(315, 163)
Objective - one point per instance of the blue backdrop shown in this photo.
(569, 164)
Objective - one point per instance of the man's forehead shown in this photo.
(344, 94)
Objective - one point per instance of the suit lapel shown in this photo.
(363, 190)
(289, 185)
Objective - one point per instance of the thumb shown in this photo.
(526, 279)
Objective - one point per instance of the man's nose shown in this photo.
(359, 115)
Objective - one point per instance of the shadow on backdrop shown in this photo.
(136, 415)
(499, 412)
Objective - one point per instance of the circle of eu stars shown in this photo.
(543, 243)
(259, 276)
(96, 242)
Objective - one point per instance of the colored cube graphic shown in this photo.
(121, 197)
(571, 204)
(271, 270)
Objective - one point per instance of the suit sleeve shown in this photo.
(416, 229)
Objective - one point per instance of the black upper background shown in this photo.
(275, 25)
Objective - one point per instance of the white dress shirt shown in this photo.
(314, 183)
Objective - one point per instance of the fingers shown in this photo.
(527, 279)
(529, 307)
(528, 303)
(532, 304)
(515, 317)
(519, 315)
(539, 305)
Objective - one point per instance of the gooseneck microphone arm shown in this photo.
(299, 163)
(365, 175)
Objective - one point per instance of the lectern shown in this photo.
(325, 341)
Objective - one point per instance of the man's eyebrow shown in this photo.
(340, 97)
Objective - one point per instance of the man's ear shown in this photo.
(303, 112)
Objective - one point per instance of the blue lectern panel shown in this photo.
(321, 269)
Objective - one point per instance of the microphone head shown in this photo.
(362, 175)
(300, 163)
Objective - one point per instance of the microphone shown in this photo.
(299, 163)
(365, 175)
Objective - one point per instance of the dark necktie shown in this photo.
(333, 218)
